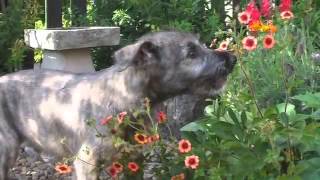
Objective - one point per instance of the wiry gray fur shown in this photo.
(45, 107)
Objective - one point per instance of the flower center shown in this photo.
(249, 42)
(112, 170)
(192, 161)
(63, 168)
(185, 145)
(268, 41)
(141, 137)
(244, 17)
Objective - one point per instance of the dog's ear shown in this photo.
(139, 53)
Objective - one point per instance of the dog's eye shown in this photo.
(192, 50)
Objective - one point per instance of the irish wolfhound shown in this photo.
(46, 106)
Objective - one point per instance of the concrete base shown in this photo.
(73, 60)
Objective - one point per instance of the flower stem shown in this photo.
(250, 86)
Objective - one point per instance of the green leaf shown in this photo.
(310, 100)
(284, 119)
(193, 127)
(310, 169)
(234, 117)
(316, 114)
(244, 119)
(288, 108)
(285, 177)
(224, 130)
(209, 110)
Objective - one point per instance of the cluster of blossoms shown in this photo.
(191, 161)
(148, 139)
(141, 137)
(252, 17)
(116, 168)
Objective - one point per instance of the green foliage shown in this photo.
(19, 15)
(241, 145)
(14, 62)
(266, 126)
(136, 18)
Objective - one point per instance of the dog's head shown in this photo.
(177, 63)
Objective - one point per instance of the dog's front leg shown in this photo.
(86, 164)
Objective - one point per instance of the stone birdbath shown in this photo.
(69, 49)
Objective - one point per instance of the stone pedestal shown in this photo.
(69, 49)
(72, 60)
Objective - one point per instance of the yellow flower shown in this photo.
(264, 28)
(255, 26)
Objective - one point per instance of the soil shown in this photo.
(31, 167)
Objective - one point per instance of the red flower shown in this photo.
(162, 117)
(286, 15)
(180, 176)
(266, 8)
(249, 43)
(141, 138)
(134, 167)
(223, 46)
(118, 167)
(121, 116)
(106, 120)
(253, 11)
(285, 5)
(184, 146)
(244, 17)
(112, 171)
(153, 138)
(63, 168)
(268, 42)
(191, 162)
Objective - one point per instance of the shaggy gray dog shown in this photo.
(44, 107)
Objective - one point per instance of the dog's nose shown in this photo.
(230, 61)
(233, 60)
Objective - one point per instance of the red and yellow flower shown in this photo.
(153, 138)
(286, 15)
(184, 146)
(223, 46)
(134, 167)
(63, 169)
(249, 43)
(180, 176)
(141, 138)
(255, 26)
(112, 171)
(268, 41)
(244, 17)
(192, 161)
(121, 116)
(118, 166)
